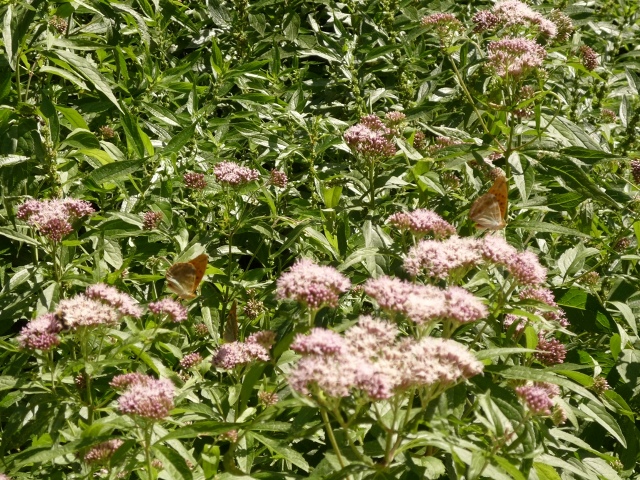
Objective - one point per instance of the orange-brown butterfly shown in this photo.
(183, 278)
(489, 210)
(230, 332)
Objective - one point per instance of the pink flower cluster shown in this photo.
(370, 139)
(538, 397)
(370, 359)
(444, 24)
(312, 284)
(168, 306)
(103, 451)
(191, 360)
(550, 351)
(113, 297)
(195, 181)
(53, 218)
(256, 347)
(144, 396)
(151, 220)
(233, 174)
(41, 333)
(443, 142)
(278, 178)
(425, 303)
(514, 57)
(511, 14)
(544, 295)
(100, 305)
(439, 258)
(422, 222)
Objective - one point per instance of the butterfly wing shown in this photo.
(200, 264)
(230, 333)
(486, 212)
(181, 279)
(500, 190)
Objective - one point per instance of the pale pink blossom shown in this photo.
(233, 174)
(510, 319)
(53, 218)
(369, 138)
(103, 451)
(514, 57)
(526, 269)
(41, 333)
(550, 351)
(463, 306)
(278, 178)
(232, 354)
(168, 306)
(438, 258)
(191, 360)
(82, 311)
(151, 220)
(373, 361)
(148, 397)
(544, 295)
(537, 397)
(319, 341)
(195, 181)
(312, 284)
(121, 301)
(422, 222)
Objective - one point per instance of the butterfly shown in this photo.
(489, 210)
(230, 333)
(183, 278)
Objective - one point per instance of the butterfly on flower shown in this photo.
(489, 210)
(183, 278)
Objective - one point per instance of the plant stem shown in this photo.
(332, 438)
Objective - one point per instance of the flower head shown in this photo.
(82, 311)
(422, 222)
(53, 218)
(439, 258)
(371, 360)
(278, 178)
(445, 24)
(102, 452)
(312, 284)
(564, 25)
(515, 57)
(230, 355)
(550, 351)
(151, 220)
(537, 397)
(526, 269)
(195, 181)
(125, 304)
(589, 57)
(168, 306)
(41, 333)
(233, 174)
(191, 360)
(147, 397)
(369, 138)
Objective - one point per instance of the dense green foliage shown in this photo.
(115, 102)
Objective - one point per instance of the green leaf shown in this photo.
(601, 416)
(66, 74)
(20, 237)
(180, 140)
(283, 450)
(115, 171)
(173, 463)
(587, 155)
(8, 160)
(89, 72)
(547, 227)
(627, 314)
(546, 472)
